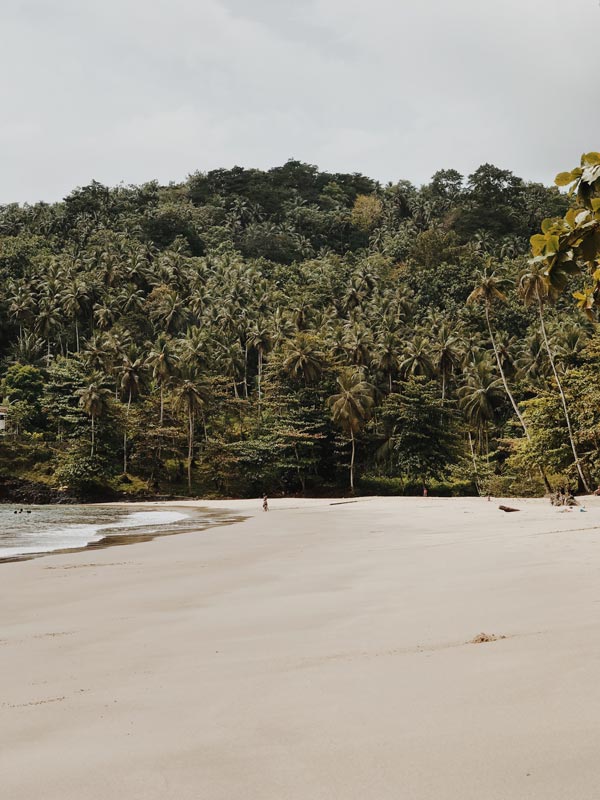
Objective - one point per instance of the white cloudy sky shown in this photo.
(130, 90)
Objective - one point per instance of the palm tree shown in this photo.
(48, 319)
(532, 361)
(480, 396)
(162, 359)
(416, 358)
(94, 399)
(231, 360)
(131, 377)
(351, 408)
(447, 352)
(191, 397)
(260, 339)
(535, 289)
(386, 357)
(74, 300)
(21, 306)
(303, 359)
(489, 289)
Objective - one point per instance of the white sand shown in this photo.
(318, 652)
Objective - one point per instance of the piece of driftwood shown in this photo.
(508, 508)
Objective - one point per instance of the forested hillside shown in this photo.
(294, 331)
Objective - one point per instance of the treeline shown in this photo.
(293, 331)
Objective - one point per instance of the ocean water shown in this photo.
(44, 529)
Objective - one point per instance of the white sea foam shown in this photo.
(45, 538)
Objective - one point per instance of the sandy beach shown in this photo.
(321, 651)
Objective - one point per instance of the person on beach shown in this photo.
(265, 503)
(424, 491)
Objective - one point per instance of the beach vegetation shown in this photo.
(297, 331)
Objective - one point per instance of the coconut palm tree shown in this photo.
(162, 359)
(74, 300)
(303, 359)
(261, 340)
(447, 354)
(535, 290)
(387, 357)
(351, 408)
(191, 397)
(94, 399)
(416, 357)
(131, 379)
(488, 290)
(480, 396)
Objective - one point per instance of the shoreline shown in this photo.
(431, 648)
(121, 539)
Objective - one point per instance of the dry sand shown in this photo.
(318, 652)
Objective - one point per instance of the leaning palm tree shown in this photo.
(94, 400)
(351, 408)
(489, 289)
(190, 396)
(535, 289)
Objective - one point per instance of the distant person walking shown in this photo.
(424, 491)
(265, 503)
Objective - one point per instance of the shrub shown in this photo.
(83, 473)
(375, 484)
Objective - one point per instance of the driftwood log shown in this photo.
(508, 509)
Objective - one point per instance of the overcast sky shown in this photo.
(132, 90)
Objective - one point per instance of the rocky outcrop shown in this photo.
(17, 490)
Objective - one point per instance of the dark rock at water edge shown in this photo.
(18, 490)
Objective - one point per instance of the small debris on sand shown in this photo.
(481, 638)
(508, 508)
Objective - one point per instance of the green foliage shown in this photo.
(384, 486)
(419, 437)
(570, 245)
(86, 474)
(270, 329)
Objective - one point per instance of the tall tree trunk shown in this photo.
(474, 460)
(125, 434)
(93, 436)
(562, 394)
(509, 393)
(77, 334)
(246, 370)
(352, 461)
(190, 446)
(502, 375)
(260, 363)
(162, 405)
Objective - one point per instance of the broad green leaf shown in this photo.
(564, 178)
(590, 158)
(538, 242)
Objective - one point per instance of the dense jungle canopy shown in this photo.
(293, 330)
